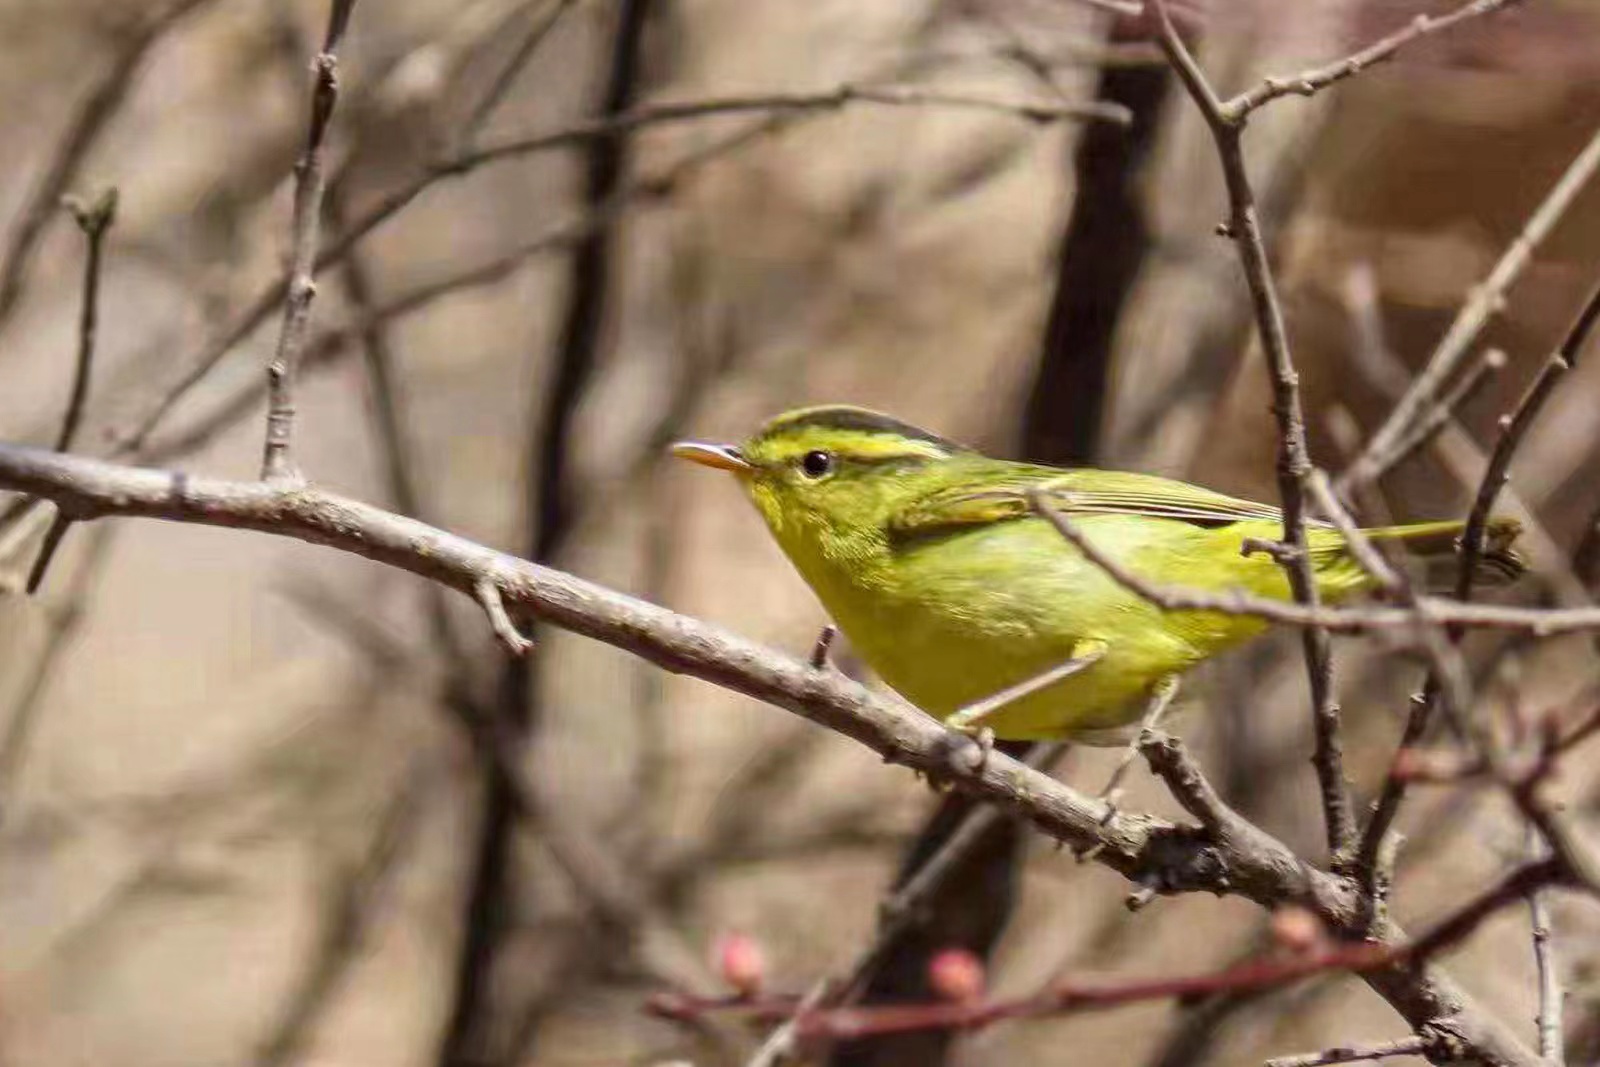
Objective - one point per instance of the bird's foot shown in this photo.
(1160, 700)
(969, 753)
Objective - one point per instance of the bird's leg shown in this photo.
(970, 720)
(824, 644)
(1160, 699)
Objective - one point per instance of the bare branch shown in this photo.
(89, 120)
(484, 106)
(779, 109)
(1294, 456)
(1551, 1044)
(1077, 995)
(301, 288)
(1482, 305)
(1365, 619)
(656, 114)
(487, 592)
(1405, 1046)
(1313, 81)
(60, 523)
(1513, 429)
(65, 621)
(94, 219)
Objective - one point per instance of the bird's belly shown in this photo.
(942, 669)
(956, 633)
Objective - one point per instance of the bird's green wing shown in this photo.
(996, 496)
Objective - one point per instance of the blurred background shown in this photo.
(241, 817)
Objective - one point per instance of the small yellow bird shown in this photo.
(929, 557)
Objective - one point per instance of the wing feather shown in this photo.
(1083, 492)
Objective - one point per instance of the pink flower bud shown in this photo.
(956, 974)
(740, 963)
(1297, 929)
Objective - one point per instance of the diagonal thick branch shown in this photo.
(1240, 860)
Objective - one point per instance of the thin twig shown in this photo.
(1294, 457)
(487, 592)
(89, 120)
(329, 344)
(1540, 622)
(1454, 448)
(1414, 1045)
(352, 901)
(22, 717)
(481, 109)
(822, 646)
(665, 112)
(1078, 995)
(1513, 429)
(309, 182)
(54, 535)
(780, 107)
(1556, 826)
(1313, 81)
(1442, 412)
(1481, 306)
(1551, 1045)
(94, 219)
(898, 913)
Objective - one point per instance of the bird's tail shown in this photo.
(1434, 547)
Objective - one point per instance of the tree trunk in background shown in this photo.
(487, 1025)
(1102, 252)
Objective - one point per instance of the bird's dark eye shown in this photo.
(817, 463)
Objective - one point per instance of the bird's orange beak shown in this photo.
(722, 457)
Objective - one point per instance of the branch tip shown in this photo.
(487, 592)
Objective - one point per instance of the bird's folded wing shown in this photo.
(1085, 492)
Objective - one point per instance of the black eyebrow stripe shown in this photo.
(855, 419)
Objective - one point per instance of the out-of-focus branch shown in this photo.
(352, 900)
(391, 204)
(1077, 995)
(94, 219)
(656, 114)
(1482, 305)
(1294, 456)
(1348, 620)
(481, 109)
(309, 184)
(482, 1006)
(1513, 430)
(562, 235)
(1415, 1045)
(1163, 857)
(1554, 824)
(23, 715)
(1552, 1044)
(1314, 80)
(89, 119)
(898, 914)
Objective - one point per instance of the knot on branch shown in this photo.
(1182, 859)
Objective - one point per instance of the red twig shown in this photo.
(1078, 995)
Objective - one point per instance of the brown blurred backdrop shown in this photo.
(238, 820)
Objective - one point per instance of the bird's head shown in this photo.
(826, 473)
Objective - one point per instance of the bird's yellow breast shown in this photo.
(949, 620)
